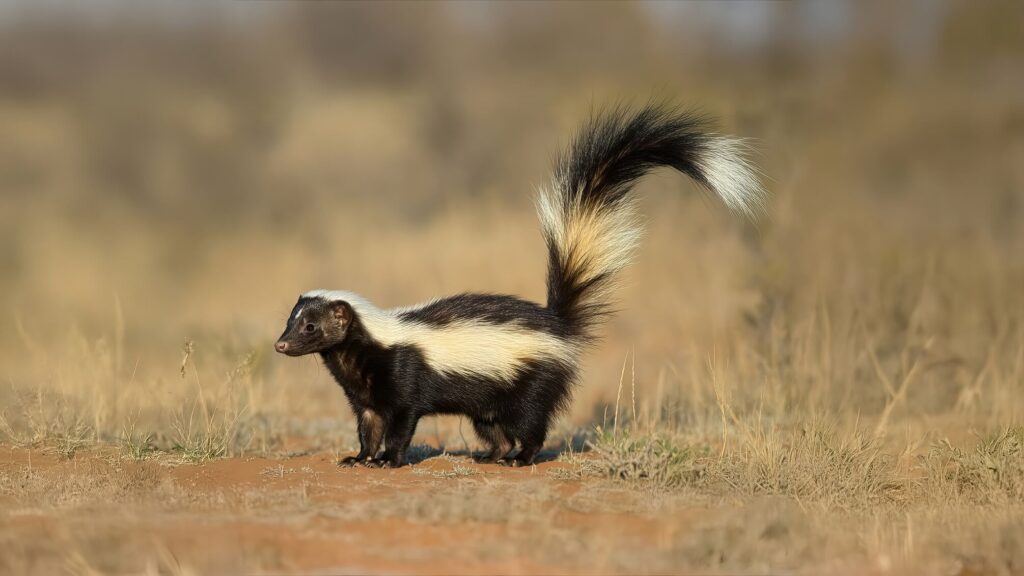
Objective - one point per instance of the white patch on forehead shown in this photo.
(298, 313)
(467, 347)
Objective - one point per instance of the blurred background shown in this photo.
(181, 171)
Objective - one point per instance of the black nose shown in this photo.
(281, 346)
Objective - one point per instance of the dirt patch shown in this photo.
(444, 515)
(99, 513)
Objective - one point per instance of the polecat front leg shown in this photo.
(401, 427)
(371, 433)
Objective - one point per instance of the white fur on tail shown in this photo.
(724, 165)
(595, 240)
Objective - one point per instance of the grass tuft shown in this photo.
(69, 441)
(990, 473)
(652, 459)
(135, 445)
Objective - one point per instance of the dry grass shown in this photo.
(989, 473)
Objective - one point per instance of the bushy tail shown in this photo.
(589, 216)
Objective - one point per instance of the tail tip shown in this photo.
(727, 170)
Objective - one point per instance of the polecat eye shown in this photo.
(309, 327)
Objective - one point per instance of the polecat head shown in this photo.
(314, 325)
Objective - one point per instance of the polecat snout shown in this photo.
(508, 364)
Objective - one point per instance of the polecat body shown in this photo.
(508, 364)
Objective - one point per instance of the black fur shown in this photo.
(490, 308)
(391, 387)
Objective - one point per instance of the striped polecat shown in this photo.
(508, 364)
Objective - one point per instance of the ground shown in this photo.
(99, 512)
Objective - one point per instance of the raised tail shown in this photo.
(589, 216)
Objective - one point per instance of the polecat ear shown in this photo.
(342, 312)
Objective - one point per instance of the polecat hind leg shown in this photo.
(496, 439)
(527, 454)
(531, 430)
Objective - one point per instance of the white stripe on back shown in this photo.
(467, 346)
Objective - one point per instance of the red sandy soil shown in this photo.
(100, 513)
